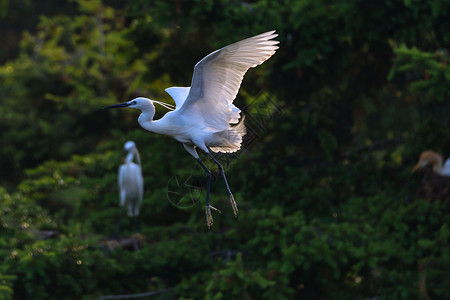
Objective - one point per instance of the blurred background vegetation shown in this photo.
(329, 208)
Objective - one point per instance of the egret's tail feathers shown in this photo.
(234, 114)
(230, 140)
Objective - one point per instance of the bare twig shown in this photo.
(139, 295)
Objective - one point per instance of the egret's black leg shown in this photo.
(116, 231)
(137, 226)
(222, 172)
(209, 219)
(208, 179)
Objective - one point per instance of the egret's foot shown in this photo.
(209, 219)
(233, 205)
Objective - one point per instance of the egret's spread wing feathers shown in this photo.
(134, 205)
(121, 181)
(179, 94)
(121, 177)
(140, 183)
(218, 76)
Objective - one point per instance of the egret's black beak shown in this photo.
(126, 104)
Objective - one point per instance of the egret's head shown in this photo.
(130, 150)
(141, 103)
(130, 145)
(428, 158)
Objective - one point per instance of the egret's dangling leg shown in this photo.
(137, 226)
(222, 172)
(116, 231)
(133, 212)
(209, 219)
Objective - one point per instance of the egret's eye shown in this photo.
(134, 103)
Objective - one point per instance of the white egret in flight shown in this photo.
(205, 116)
(131, 183)
(434, 159)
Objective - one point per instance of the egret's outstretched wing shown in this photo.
(121, 182)
(140, 183)
(218, 76)
(179, 94)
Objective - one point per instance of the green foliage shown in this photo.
(428, 72)
(336, 119)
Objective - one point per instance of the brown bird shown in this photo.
(434, 159)
(436, 181)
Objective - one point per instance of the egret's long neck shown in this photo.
(437, 164)
(129, 157)
(146, 121)
(146, 117)
(163, 126)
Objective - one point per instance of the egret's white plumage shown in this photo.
(446, 168)
(205, 116)
(178, 94)
(131, 182)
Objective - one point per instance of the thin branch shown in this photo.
(139, 295)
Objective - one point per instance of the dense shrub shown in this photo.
(328, 205)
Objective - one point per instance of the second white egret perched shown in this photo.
(131, 182)
(205, 116)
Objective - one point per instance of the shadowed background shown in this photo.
(337, 118)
